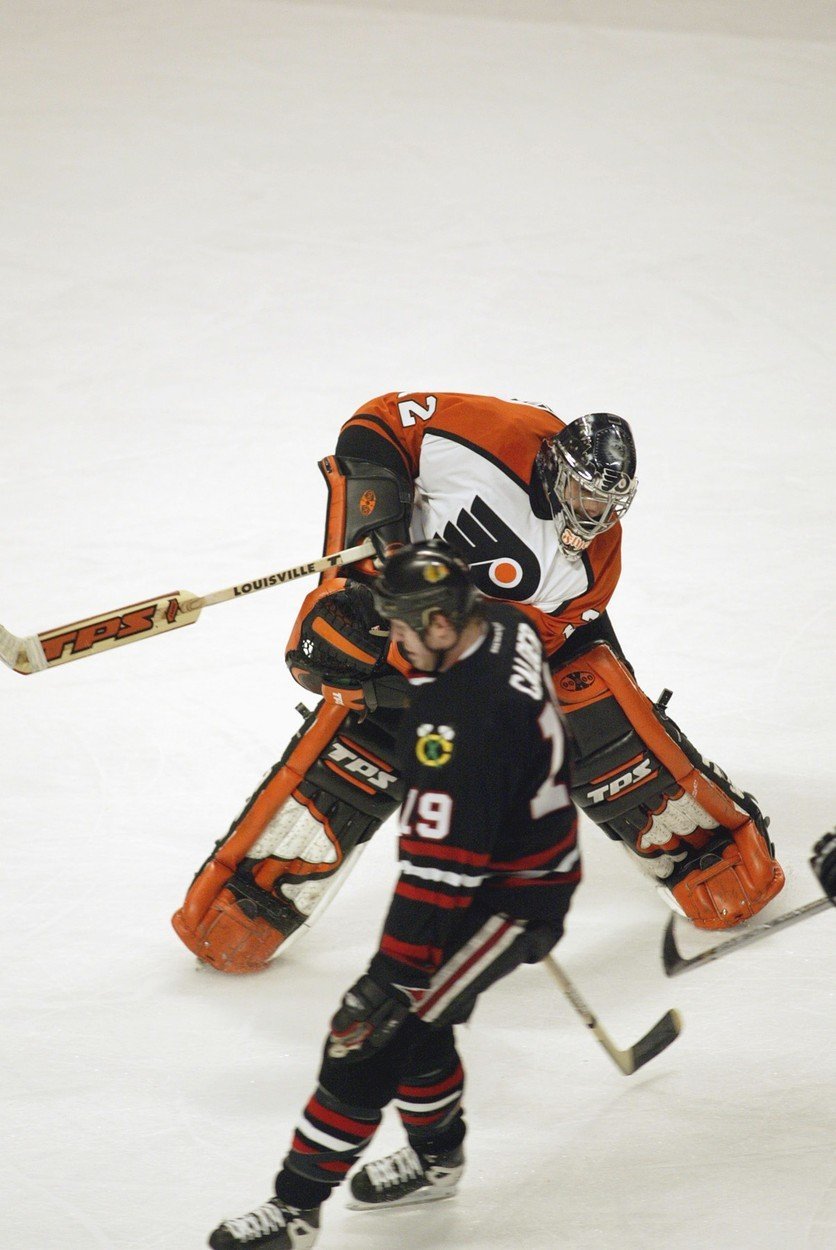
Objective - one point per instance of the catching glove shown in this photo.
(339, 649)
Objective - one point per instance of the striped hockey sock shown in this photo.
(330, 1137)
(429, 1104)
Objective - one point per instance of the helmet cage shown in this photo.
(588, 473)
(590, 505)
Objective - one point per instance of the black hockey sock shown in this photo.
(441, 1143)
(298, 1191)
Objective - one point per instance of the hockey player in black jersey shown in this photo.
(488, 863)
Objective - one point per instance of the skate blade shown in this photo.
(411, 1200)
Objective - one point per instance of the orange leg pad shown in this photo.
(638, 777)
(289, 851)
(734, 887)
(227, 938)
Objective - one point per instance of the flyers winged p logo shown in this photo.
(501, 563)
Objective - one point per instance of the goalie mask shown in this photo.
(423, 578)
(588, 472)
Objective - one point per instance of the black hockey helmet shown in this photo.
(421, 578)
(588, 472)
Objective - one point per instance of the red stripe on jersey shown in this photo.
(432, 897)
(409, 953)
(534, 861)
(424, 1091)
(412, 846)
(303, 1147)
(428, 1002)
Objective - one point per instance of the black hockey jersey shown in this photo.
(487, 814)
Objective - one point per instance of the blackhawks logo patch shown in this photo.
(435, 745)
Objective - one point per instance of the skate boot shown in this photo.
(406, 1177)
(272, 1226)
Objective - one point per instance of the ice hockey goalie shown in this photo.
(535, 506)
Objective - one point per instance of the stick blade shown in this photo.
(672, 961)
(664, 1032)
(117, 628)
(13, 652)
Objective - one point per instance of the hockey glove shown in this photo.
(339, 648)
(368, 1018)
(823, 863)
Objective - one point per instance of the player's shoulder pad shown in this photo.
(517, 653)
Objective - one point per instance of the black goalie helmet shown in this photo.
(422, 578)
(588, 472)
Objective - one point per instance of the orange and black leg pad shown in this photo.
(637, 776)
(289, 851)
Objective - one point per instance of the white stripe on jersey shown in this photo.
(563, 865)
(484, 948)
(445, 878)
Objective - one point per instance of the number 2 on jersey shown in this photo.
(409, 409)
(551, 795)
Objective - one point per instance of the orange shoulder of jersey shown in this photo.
(507, 430)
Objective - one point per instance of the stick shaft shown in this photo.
(146, 619)
(657, 1039)
(321, 565)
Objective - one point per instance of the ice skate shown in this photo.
(272, 1226)
(405, 1177)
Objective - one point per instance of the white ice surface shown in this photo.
(223, 225)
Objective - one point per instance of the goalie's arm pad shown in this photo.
(339, 647)
(364, 497)
(639, 778)
(290, 849)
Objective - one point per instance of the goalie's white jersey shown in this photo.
(472, 460)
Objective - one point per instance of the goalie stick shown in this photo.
(143, 620)
(675, 963)
(658, 1038)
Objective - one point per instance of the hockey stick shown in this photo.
(674, 962)
(664, 1031)
(145, 619)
